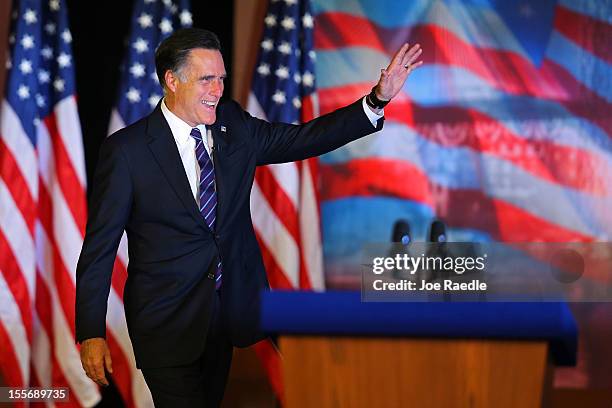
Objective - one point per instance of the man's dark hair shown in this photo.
(173, 52)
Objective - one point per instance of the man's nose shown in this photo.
(217, 88)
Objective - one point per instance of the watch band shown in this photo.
(373, 102)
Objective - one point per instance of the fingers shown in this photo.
(398, 57)
(108, 361)
(95, 371)
(411, 56)
(414, 66)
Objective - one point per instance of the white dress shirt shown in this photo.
(186, 144)
(371, 115)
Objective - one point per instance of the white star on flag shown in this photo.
(307, 21)
(58, 84)
(145, 20)
(263, 69)
(47, 53)
(63, 60)
(43, 76)
(40, 100)
(308, 79)
(186, 19)
(288, 23)
(137, 69)
(270, 20)
(25, 66)
(23, 92)
(133, 95)
(153, 99)
(285, 48)
(30, 16)
(267, 44)
(27, 42)
(141, 45)
(54, 5)
(165, 26)
(279, 97)
(50, 28)
(66, 36)
(282, 72)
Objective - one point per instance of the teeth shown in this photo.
(209, 103)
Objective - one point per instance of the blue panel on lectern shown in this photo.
(343, 313)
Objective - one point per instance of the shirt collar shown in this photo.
(180, 129)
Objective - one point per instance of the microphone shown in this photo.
(400, 234)
(437, 249)
(437, 232)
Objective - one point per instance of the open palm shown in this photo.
(393, 77)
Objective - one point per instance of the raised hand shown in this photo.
(393, 77)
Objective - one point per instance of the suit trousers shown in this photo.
(200, 383)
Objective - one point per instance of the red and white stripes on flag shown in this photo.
(285, 213)
(42, 224)
(284, 203)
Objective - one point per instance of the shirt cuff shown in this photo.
(371, 115)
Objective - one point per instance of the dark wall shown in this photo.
(99, 32)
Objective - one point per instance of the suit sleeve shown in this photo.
(110, 205)
(279, 143)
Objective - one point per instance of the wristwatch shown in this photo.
(373, 101)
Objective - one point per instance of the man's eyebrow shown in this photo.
(207, 77)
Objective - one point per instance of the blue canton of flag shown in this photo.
(40, 69)
(139, 91)
(284, 76)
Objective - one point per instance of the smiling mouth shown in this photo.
(209, 104)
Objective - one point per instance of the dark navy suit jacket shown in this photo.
(140, 185)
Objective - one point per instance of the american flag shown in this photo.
(139, 93)
(284, 204)
(42, 205)
(504, 132)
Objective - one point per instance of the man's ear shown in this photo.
(171, 80)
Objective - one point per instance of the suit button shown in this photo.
(217, 236)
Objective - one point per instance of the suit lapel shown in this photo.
(162, 145)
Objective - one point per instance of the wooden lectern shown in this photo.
(340, 352)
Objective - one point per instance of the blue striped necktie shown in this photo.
(208, 195)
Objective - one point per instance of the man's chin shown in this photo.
(209, 119)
